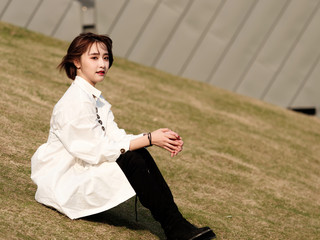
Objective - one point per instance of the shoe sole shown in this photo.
(205, 235)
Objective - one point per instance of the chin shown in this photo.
(99, 80)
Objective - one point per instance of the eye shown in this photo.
(94, 58)
(106, 58)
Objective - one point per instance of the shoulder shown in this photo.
(74, 94)
(74, 104)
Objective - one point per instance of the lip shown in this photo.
(101, 73)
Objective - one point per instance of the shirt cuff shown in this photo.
(125, 147)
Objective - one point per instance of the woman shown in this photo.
(88, 164)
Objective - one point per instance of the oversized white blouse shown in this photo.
(75, 170)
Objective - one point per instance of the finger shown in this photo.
(173, 142)
(176, 135)
(176, 144)
(165, 129)
(180, 142)
(168, 149)
(171, 135)
(172, 146)
(179, 148)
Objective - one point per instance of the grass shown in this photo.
(249, 170)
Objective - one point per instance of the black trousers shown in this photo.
(150, 186)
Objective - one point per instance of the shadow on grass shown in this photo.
(123, 215)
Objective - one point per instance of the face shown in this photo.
(93, 64)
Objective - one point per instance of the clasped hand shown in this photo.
(167, 139)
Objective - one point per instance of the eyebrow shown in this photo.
(98, 54)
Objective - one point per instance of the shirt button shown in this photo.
(100, 122)
(122, 150)
(96, 110)
(103, 128)
(98, 116)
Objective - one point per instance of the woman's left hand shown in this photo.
(167, 139)
(179, 143)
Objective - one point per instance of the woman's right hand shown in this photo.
(167, 139)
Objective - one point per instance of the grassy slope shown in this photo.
(249, 170)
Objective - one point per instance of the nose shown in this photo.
(102, 63)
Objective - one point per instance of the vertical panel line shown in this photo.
(202, 37)
(305, 80)
(266, 37)
(293, 46)
(230, 43)
(62, 18)
(116, 19)
(95, 17)
(5, 8)
(172, 32)
(33, 14)
(143, 28)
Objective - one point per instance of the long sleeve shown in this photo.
(82, 140)
(77, 127)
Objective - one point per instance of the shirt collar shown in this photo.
(87, 86)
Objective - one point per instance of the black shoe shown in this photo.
(204, 233)
(187, 231)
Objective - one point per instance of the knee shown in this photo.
(136, 159)
(138, 152)
(145, 153)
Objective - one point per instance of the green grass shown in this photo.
(249, 170)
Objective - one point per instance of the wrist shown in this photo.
(150, 138)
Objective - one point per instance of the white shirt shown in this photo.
(75, 171)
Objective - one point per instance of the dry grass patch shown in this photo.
(249, 170)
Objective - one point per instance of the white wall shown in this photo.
(266, 49)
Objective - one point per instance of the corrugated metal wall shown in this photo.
(58, 18)
(266, 49)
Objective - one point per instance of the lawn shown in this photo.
(249, 170)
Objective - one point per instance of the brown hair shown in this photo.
(79, 46)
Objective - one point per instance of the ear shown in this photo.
(77, 63)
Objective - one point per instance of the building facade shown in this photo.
(265, 49)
